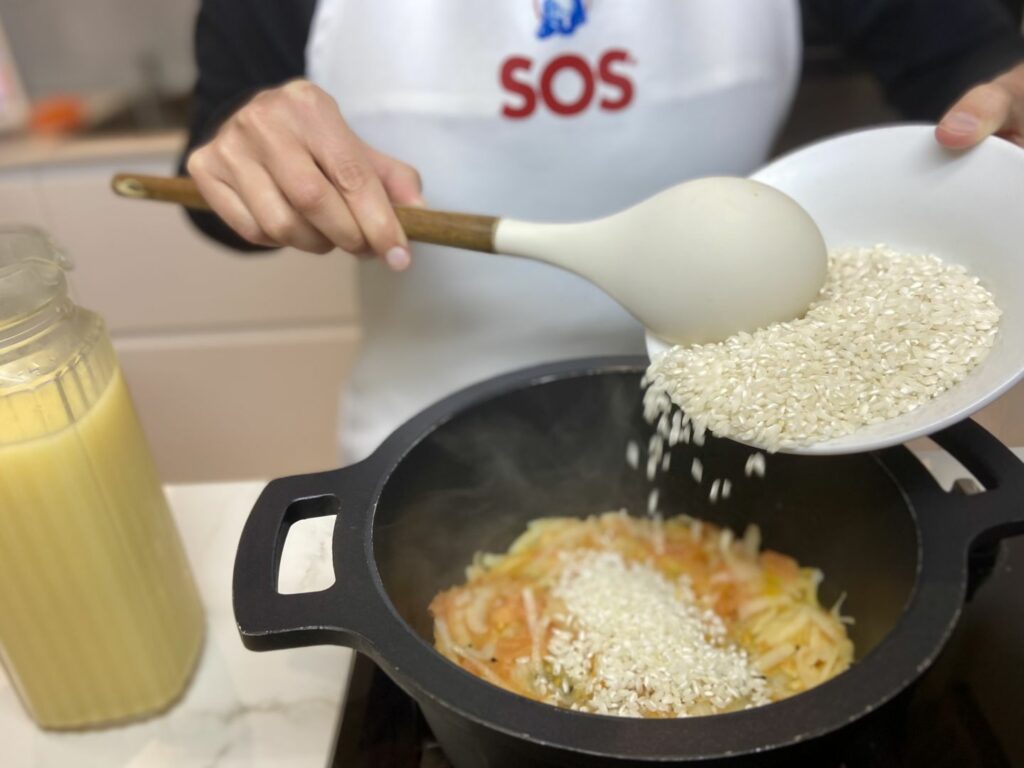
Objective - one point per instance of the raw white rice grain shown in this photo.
(633, 454)
(755, 465)
(652, 502)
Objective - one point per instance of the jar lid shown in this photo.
(32, 268)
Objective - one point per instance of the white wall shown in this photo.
(96, 45)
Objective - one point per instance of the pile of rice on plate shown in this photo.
(889, 332)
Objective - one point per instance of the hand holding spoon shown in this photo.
(696, 263)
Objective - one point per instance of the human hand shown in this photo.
(286, 169)
(996, 108)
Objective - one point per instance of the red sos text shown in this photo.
(606, 84)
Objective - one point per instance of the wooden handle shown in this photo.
(458, 230)
(175, 189)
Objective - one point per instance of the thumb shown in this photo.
(981, 112)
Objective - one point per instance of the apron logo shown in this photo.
(581, 83)
(559, 17)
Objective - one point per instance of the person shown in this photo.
(312, 119)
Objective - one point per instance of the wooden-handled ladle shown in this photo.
(696, 263)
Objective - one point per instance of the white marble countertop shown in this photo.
(257, 710)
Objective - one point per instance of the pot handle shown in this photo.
(269, 620)
(998, 512)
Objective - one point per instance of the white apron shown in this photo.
(543, 110)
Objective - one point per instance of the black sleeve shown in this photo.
(925, 53)
(241, 47)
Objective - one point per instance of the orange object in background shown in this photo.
(58, 114)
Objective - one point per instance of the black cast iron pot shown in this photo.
(468, 473)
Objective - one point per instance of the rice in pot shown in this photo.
(642, 617)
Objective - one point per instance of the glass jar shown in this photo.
(100, 620)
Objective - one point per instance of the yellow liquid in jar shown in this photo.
(100, 620)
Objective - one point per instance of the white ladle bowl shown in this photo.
(899, 187)
(698, 262)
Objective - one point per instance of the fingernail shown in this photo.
(397, 258)
(962, 123)
(418, 202)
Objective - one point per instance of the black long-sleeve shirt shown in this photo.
(925, 53)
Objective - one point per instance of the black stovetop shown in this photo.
(967, 711)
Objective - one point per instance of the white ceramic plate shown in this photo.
(899, 187)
